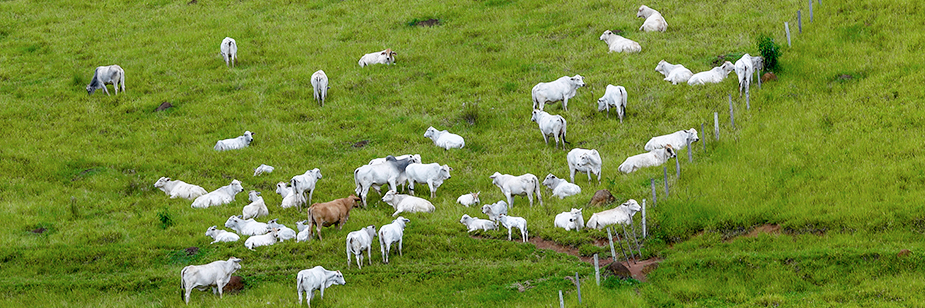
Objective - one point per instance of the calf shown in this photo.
(561, 89)
(221, 235)
(433, 174)
(386, 57)
(572, 220)
(550, 125)
(263, 169)
(257, 208)
(583, 160)
(179, 188)
(469, 199)
(511, 222)
(391, 233)
(445, 139)
(560, 187)
(330, 213)
(316, 278)
(650, 159)
(622, 214)
(406, 203)
(510, 185)
(360, 240)
(239, 142)
(473, 223)
(614, 97)
(214, 275)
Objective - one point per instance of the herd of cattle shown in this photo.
(410, 169)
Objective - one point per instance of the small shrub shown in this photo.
(769, 50)
(470, 113)
(613, 282)
(165, 218)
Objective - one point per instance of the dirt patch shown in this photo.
(427, 23)
(361, 143)
(192, 251)
(39, 230)
(767, 229)
(638, 269)
(163, 106)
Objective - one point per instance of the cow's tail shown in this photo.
(356, 181)
(562, 120)
(311, 221)
(122, 80)
(182, 283)
(536, 102)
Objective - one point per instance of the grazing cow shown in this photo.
(583, 160)
(239, 142)
(653, 158)
(677, 140)
(745, 68)
(202, 277)
(572, 220)
(263, 169)
(473, 223)
(602, 197)
(360, 240)
(715, 75)
(112, 74)
(622, 214)
(220, 196)
(248, 227)
(329, 213)
(469, 199)
(617, 43)
(303, 182)
(614, 97)
(550, 125)
(316, 278)
(290, 198)
(386, 57)
(179, 188)
(320, 86)
(654, 20)
(391, 172)
(445, 139)
(511, 222)
(267, 239)
(229, 50)
(407, 203)
(391, 233)
(674, 73)
(494, 210)
(560, 187)
(521, 185)
(561, 89)
(221, 235)
(285, 233)
(257, 208)
(433, 174)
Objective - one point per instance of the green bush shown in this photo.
(769, 50)
(165, 218)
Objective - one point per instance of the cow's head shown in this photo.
(161, 182)
(580, 81)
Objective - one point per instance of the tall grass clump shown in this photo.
(769, 50)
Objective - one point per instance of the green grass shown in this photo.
(830, 152)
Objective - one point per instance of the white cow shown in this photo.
(677, 140)
(221, 235)
(112, 74)
(240, 142)
(745, 68)
(391, 233)
(653, 158)
(263, 169)
(290, 199)
(316, 278)
(654, 20)
(320, 86)
(561, 89)
(391, 172)
(560, 187)
(214, 275)
(220, 196)
(303, 182)
(469, 199)
(445, 139)
(715, 75)
(617, 43)
(360, 240)
(248, 227)
(614, 97)
(521, 185)
(407, 203)
(583, 160)
(303, 235)
(622, 214)
(674, 73)
(553, 125)
(473, 223)
(179, 188)
(494, 210)
(415, 159)
(257, 208)
(267, 239)
(432, 174)
(511, 222)
(386, 57)
(229, 50)
(285, 233)
(572, 220)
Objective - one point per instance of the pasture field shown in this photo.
(830, 153)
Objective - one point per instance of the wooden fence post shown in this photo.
(613, 252)
(732, 119)
(597, 271)
(677, 165)
(787, 28)
(716, 125)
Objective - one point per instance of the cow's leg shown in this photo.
(565, 103)
(221, 285)
(319, 230)
(572, 173)
(545, 138)
(510, 200)
(310, 193)
(509, 233)
(399, 246)
(369, 255)
(411, 187)
(433, 191)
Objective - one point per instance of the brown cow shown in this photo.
(329, 213)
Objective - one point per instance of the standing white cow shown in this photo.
(511, 222)
(391, 172)
(561, 89)
(560, 187)
(653, 158)
(179, 188)
(432, 174)
(745, 68)
(112, 74)
(614, 97)
(677, 140)
(583, 160)
(715, 75)
(202, 277)
(303, 182)
(617, 43)
(550, 125)
(674, 73)
(495, 210)
(572, 220)
(229, 50)
(316, 278)
(654, 20)
(320, 86)
(360, 240)
(391, 233)
(290, 199)
(526, 184)
(220, 196)
(445, 139)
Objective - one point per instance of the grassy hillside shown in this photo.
(830, 152)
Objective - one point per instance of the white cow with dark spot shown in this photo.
(522, 185)
(386, 57)
(432, 174)
(561, 89)
(677, 140)
(179, 188)
(614, 97)
(653, 158)
(583, 160)
(202, 277)
(316, 278)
